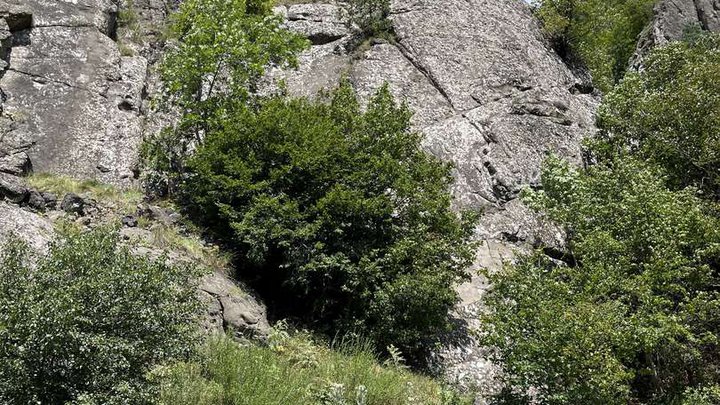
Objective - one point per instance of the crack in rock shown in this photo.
(425, 72)
(46, 80)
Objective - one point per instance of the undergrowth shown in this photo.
(294, 369)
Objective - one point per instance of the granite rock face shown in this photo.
(71, 101)
(672, 19)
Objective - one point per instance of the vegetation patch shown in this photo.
(372, 18)
(599, 34)
(296, 370)
(88, 320)
(670, 114)
(629, 314)
(124, 200)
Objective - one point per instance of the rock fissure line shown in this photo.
(701, 16)
(425, 72)
(64, 26)
(57, 82)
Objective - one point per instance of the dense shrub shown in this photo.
(223, 49)
(632, 317)
(87, 320)
(669, 114)
(601, 33)
(337, 212)
(296, 370)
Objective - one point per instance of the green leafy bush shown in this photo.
(669, 114)
(372, 17)
(602, 33)
(338, 213)
(632, 317)
(87, 320)
(295, 370)
(223, 50)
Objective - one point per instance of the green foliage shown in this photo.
(87, 320)
(371, 17)
(633, 316)
(669, 114)
(703, 396)
(337, 212)
(224, 48)
(602, 33)
(295, 370)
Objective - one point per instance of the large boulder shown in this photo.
(12, 188)
(232, 308)
(35, 229)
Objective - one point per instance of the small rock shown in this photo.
(84, 221)
(130, 221)
(164, 216)
(12, 188)
(73, 204)
(36, 201)
(50, 200)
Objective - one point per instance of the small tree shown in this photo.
(602, 33)
(338, 213)
(222, 52)
(372, 17)
(87, 320)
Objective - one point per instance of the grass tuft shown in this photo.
(125, 200)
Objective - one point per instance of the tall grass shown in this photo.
(296, 370)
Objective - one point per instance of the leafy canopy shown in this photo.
(223, 49)
(670, 114)
(87, 320)
(338, 212)
(634, 317)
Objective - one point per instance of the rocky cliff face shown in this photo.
(74, 79)
(488, 92)
(72, 98)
